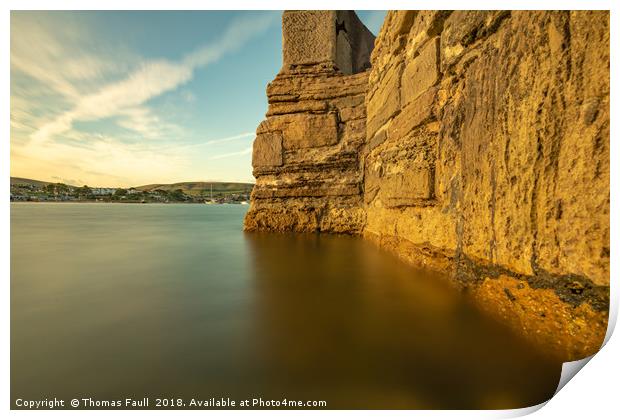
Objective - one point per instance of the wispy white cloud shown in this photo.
(212, 141)
(62, 56)
(227, 139)
(152, 78)
(188, 96)
(245, 151)
(237, 34)
(142, 121)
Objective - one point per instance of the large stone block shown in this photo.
(421, 72)
(325, 190)
(310, 130)
(377, 139)
(281, 108)
(267, 150)
(409, 188)
(403, 21)
(385, 101)
(414, 114)
(308, 36)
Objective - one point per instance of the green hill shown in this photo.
(190, 188)
(197, 188)
(26, 181)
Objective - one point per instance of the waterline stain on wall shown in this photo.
(476, 144)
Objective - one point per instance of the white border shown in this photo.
(299, 4)
(592, 394)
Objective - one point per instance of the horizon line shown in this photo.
(142, 185)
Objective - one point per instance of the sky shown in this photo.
(106, 98)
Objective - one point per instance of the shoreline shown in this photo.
(122, 202)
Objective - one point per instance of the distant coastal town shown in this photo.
(23, 189)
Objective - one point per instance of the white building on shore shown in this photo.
(103, 191)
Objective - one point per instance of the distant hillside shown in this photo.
(196, 188)
(36, 183)
(190, 188)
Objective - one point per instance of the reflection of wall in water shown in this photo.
(339, 319)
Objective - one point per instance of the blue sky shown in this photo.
(132, 98)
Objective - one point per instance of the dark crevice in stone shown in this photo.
(436, 26)
(340, 26)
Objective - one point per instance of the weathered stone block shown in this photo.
(385, 101)
(403, 21)
(310, 130)
(413, 115)
(308, 36)
(355, 113)
(326, 190)
(421, 72)
(281, 108)
(267, 150)
(409, 188)
(354, 130)
(377, 139)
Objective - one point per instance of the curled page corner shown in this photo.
(570, 369)
(613, 314)
(520, 412)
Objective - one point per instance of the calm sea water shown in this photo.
(114, 301)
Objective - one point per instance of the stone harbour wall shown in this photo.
(476, 144)
(307, 153)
